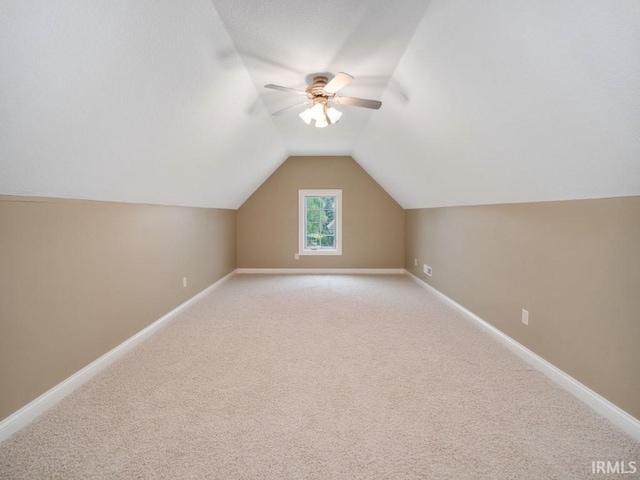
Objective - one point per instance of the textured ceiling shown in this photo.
(162, 101)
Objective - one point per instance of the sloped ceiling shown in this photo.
(129, 100)
(286, 42)
(512, 101)
(163, 101)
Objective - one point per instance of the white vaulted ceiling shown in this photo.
(512, 101)
(162, 101)
(129, 100)
(286, 41)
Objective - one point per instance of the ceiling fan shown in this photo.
(321, 94)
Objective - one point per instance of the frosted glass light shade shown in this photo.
(322, 122)
(333, 114)
(306, 116)
(317, 111)
(322, 114)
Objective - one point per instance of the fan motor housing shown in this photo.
(316, 89)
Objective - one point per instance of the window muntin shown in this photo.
(320, 222)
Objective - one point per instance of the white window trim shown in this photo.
(302, 194)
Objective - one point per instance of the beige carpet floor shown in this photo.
(318, 377)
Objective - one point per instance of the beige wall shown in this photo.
(575, 265)
(79, 277)
(372, 221)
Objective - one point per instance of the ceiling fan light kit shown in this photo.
(320, 93)
(323, 115)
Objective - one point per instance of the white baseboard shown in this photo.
(604, 407)
(324, 271)
(29, 412)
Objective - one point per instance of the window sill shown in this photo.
(320, 252)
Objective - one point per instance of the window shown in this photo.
(320, 223)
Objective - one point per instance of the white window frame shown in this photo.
(302, 221)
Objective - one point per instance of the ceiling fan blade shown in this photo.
(358, 102)
(336, 83)
(285, 89)
(285, 109)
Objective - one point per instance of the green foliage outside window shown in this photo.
(320, 229)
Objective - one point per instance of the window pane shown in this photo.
(314, 203)
(329, 202)
(313, 228)
(312, 241)
(328, 221)
(328, 242)
(315, 216)
(329, 214)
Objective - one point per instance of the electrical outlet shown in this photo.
(415, 262)
(296, 256)
(184, 282)
(427, 269)
(525, 316)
